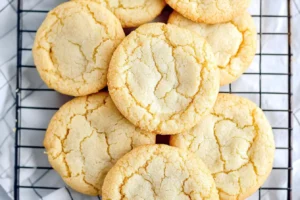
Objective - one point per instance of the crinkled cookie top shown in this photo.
(74, 45)
(236, 143)
(163, 78)
(86, 137)
(159, 172)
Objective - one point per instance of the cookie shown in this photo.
(233, 43)
(74, 45)
(133, 13)
(159, 172)
(163, 78)
(236, 143)
(210, 12)
(86, 137)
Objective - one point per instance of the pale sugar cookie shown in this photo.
(236, 143)
(86, 137)
(163, 78)
(74, 45)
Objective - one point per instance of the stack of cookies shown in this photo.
(162, 79)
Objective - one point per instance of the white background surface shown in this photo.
(40, 119)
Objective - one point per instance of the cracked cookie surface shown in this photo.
(86, 137)
(163, 78)
(236, 143)
(159, 172)
(233, 43)
(74, 45)
(209, 11)
(133, 13)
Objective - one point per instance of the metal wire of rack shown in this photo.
(22, 90)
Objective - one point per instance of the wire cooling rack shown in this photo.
(32, 116)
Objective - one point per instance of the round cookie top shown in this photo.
(210, 12)
(236, 143)
(133, 13)
(233, 43)
(159, 172)
(74, 45)
(163, 78)
(86, 137)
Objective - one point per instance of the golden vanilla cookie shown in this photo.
(163, 78)
(133, 13)
(210, 12)
(159, 172)
(74, 45)
(236, 143)
(86, 137)
(233, 43)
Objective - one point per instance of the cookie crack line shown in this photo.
(219, 147)
(189, 176)
(254, 140)
(144, 166)
(223, 118)
(162, 75)
(59, 19)
(85, 58)
(95, 51)
(83, 158)
(97, 21)
(183, 186)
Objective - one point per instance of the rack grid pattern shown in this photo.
(21, 89)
